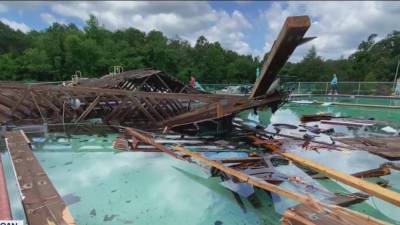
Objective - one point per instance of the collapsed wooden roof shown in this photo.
(149, 97)
(141, 79)
(38, 104)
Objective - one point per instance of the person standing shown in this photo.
(193, 81)
(334, 85)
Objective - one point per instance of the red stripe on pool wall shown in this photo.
(5, 210)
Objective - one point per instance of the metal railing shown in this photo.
(347, 88)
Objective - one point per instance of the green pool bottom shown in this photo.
(143, 188)
(354, 100)
(291, 113)
(363, 207)
(104, 186)
(107, 186)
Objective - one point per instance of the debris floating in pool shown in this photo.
(324, 168)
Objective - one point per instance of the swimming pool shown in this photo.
(102, 186)
(371, 100)
(105, 186)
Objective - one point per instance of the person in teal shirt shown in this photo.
(334, 85)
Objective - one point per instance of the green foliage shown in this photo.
(57, 52)
(372, 61)
(10, 40)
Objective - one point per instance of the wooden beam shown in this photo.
(334, 215)
(150, 141)
(88, 109)
(175, 110)
(37, 106)
(26, 92)
(289, 38)
(131, 112)
(152, 109)
(370, 188)
(139, 87)
(160, 107)
(178, 105)
(382, 170)
(365, 186)
(244, 177)
(116, 110)
(313, 205)
(142, 109)
(46, 99)
(327, 214)
(163, 82)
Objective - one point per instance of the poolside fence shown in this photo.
(348, 87)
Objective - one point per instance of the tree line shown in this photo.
(372, 61)
(55, 53)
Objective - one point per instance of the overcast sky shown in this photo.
(244, 26)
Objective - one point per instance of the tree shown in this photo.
(11, 40)
(56, 52)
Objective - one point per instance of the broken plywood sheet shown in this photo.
(313, 215)
(387, 147)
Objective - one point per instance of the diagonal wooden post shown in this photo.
(38, 107)
(88, 109)
(288, 39)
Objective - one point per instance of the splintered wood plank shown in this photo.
(243, 176)
(289, 38)
(360, 184)
(313, 206)
(143, 138)
(42, 203)
(304, 214)
(310, 212)
(387, 147)
(348, 199)
(382, 170)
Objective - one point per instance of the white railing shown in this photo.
(346, 87)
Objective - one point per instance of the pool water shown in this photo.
(105, 186)
(348, 162)
(355, 100)
(292, 112)
(140, 188)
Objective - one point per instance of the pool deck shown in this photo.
(42, 203)
(5, 210)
